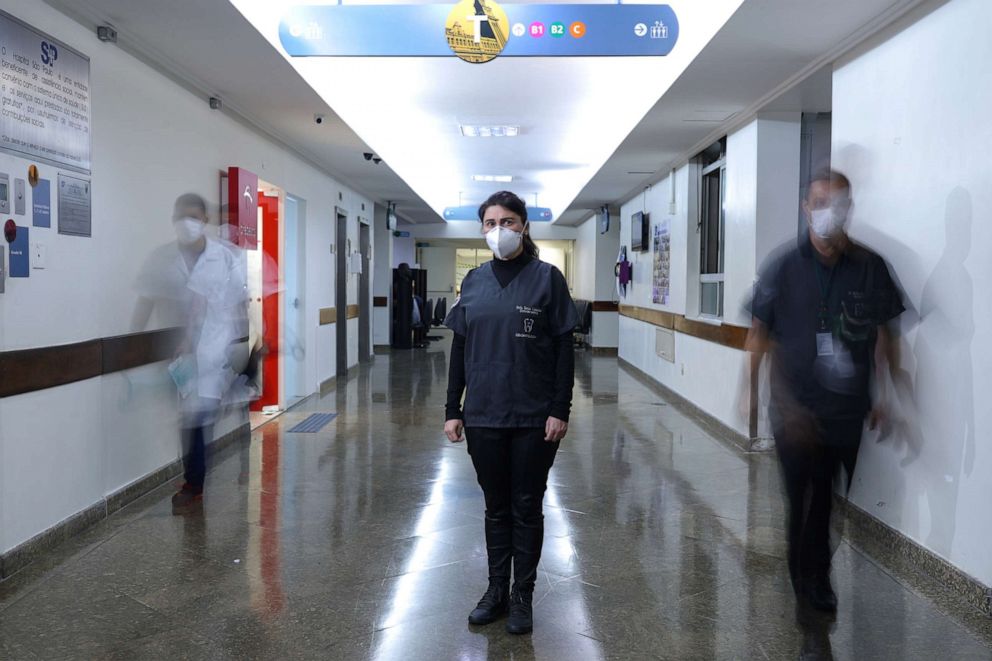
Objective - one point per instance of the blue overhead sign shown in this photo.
(529, 30)
(468, 212)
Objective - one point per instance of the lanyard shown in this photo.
(825, 288)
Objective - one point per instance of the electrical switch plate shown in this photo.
(38, 255)
(4, 193)
(19, 196)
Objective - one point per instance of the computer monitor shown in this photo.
(604, 220)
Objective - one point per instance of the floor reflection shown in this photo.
(366, 541)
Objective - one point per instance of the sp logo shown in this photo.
(49, 53)
(528, 325)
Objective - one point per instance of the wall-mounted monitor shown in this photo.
(640, 223)
(604, 219)
(391, 217)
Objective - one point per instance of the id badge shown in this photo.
(824, 344)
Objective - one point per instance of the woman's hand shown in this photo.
(555, 429)
(454, 429)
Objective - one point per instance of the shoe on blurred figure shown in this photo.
(187, 499)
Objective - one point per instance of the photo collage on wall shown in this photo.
(661, 283)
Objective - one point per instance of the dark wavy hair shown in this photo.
(511, 201)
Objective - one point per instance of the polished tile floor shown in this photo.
(364, 541)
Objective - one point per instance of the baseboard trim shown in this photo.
(27, 552)
(713, 426)
(918, 565)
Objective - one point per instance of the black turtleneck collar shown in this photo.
(506, 270)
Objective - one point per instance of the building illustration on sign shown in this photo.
(485, 38)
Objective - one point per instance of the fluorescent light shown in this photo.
(499, 131)
(501, 178)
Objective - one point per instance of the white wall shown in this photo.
(440, 264)
(760, 209)
(593, 277)
(584, 278)
(911, 129)
(741, 216)
(705, 373)
(382, 280)
(152, 140)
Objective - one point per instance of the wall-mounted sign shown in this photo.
(44, 97)
(468, 212)
(41, 204)
(20, 255)
(242, 206)
(74, 198)
(485, 31)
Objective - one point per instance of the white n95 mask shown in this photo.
(827, 223)
(503, 242)
(188, 230)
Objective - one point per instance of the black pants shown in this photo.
(195, 455)
(811, 456)
(512, 466)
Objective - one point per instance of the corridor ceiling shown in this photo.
(593, 130)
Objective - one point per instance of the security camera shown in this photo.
(367, 155)
(318, 119)
(376, 160)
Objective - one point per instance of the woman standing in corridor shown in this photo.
(513, 360)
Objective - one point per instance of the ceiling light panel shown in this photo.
(501, 178)
(498, 131)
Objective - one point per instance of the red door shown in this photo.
(271, 301)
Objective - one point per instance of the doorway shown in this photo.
(293, 308)
(364, 284)
(341, 291)
(266, 297)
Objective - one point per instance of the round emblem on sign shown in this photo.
(477, 30)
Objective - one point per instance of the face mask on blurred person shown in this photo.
(503, 242)
(827, 223)
(188, 230)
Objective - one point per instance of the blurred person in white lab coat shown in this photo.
(199, 284)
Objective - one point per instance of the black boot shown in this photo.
(499, 548)
(493, 604)
(521, 612)
(820, 593)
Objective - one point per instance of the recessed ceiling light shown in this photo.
(499, 131)
(501, 178)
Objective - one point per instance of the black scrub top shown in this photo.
(797, 298)
(509, 332)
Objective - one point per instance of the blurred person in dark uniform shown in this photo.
(820, 309)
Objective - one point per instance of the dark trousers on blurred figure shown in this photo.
(811, 461)
(195, 456)
(512, 466)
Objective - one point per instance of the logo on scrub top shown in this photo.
(477, 30)
(528, 325)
